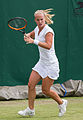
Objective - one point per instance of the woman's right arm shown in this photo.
(31, 34)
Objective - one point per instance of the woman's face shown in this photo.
(40, 20)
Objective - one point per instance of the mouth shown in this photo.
(40, 24)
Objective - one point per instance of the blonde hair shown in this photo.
(48, 17)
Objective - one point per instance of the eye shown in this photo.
(41, 19)
(37, 19)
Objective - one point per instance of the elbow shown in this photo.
(49, 47)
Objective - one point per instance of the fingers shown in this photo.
(27, 42)
(25, 35)
(28, 39)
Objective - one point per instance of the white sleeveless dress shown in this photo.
(48, 64)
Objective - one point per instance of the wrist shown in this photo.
(36, 42)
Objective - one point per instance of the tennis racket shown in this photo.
(18, 23)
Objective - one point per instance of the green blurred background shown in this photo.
(17, 58)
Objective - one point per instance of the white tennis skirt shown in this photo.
(50, 70)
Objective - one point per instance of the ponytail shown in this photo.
(48, 17)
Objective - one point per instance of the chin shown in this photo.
(41, 26)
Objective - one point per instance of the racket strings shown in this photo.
(17, 23)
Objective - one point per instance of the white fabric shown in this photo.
(36, 42)
(48, 64)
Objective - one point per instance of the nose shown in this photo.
(40, 21)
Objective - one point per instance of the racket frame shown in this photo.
(19, 29)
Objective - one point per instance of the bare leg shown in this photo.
(46, 84)
(33, 80)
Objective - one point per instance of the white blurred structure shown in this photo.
(73, 88)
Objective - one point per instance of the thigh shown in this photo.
(34, 78)
(47, 83)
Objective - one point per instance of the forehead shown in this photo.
(39, 15)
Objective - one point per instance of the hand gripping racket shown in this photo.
(18, 23)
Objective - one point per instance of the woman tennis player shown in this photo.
(47, 68)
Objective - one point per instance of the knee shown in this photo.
(31, 86)
(45, 91)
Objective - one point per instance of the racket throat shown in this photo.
(22, 31)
